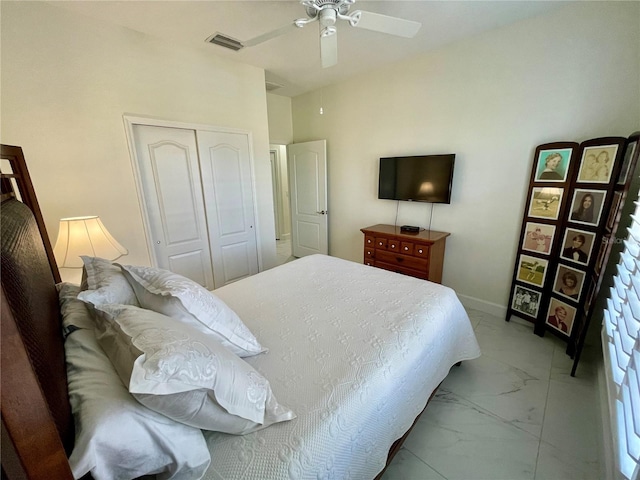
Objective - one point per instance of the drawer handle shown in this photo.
(380, 244)
(406, 248)
(420, 251)
(393, 246)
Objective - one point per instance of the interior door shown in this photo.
(308, 189)
(172, 191)
(225, 167)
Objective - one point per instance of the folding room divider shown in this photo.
(575, 197)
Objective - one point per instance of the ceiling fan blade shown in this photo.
(269, 35)
(329, 47)
(384, 23)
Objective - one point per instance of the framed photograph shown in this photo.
(526, 301)
(568, 282)
(626, 162)
(553, 165)
(597, 164)
(545, 202)
(532, 270)
(577, 245)
(586, 206)
(613, 213)
(560, 316)
(538, 237)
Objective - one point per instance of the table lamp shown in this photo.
(84, 236)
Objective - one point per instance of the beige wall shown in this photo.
(280, 121)
(571, 75)
(67, 80)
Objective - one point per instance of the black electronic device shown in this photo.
(409, 229)
(423, 178)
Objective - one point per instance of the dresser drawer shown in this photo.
(402, 260)
(369, 241)
(402, 269)
(421, 251)
(381, 242)
(406, 248)
(368, 252)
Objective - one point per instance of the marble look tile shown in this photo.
(520, 321)
(572, 420)
(554, 464)
(460, 440)
(406, 466)
(517, 345)
(586, 372)
(476, 316)
(502, 389)
(514, 413)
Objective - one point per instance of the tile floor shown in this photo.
(514, 413)
(283, 251)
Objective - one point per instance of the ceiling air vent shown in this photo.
(273, 86)
(224, 41)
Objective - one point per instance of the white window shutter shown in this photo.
(621, 343)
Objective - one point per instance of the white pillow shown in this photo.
(190, 377)
(116, 437)
(106, 283)
(183, 299)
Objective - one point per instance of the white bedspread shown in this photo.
(355, 351)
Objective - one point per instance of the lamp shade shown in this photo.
(84, 236)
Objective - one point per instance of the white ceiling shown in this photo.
(293, 60)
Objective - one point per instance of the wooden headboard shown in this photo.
(37, 425)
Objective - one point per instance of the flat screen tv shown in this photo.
(422, 178)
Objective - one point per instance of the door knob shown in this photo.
(323, 212)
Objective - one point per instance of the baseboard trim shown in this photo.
(484, 306)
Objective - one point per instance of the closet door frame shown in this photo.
(131, 120)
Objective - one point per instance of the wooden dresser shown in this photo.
(420, 255)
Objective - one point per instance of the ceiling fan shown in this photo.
(327, 13)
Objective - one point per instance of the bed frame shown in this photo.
(37, 424)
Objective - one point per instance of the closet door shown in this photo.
(228, 194)
(172, 192)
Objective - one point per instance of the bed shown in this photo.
(354, 351)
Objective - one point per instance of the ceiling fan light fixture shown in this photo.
(328, 17)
